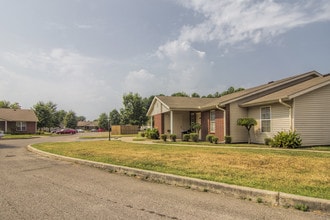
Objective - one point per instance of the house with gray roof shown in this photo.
(18, 121)
(298, 103)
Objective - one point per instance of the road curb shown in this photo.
(246, 193)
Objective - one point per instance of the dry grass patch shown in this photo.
(290, 171)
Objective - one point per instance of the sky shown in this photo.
(85, 55)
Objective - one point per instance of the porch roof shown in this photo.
(185, 103)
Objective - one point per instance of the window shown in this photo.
(212, 121)
(20, 126)
(265, 119)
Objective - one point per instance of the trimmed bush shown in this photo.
(173, 137)
(267, 141)
(163, 137)
(152, 133)
(227, 139)
(186, 137)
(215, 140)
(286, 139)
(194, 137)
(209, 137)
(141, 134)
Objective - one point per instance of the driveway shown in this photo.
(35, 187)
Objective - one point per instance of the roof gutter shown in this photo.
(224, 119)
(290, 110)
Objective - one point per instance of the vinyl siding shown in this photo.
(312, 117)
(280, 120)
(181, 122)
(237, 133)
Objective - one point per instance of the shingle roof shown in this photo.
(184, 103)
(290, 92)
(197, 104)
(7, 114)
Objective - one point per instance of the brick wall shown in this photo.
(158, 123)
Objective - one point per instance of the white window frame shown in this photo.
(21, 126)
(212, 121)
(265, 120)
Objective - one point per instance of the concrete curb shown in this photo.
(246, 193)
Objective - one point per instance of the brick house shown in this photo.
(297, 103)
(18, 121)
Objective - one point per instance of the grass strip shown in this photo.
(297, 172)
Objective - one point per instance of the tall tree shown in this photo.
(7, 104)
(70, 120)
(115, 117)
(58, 120)
(195, 95)
(81, 118)
(44, 113)
(103, 121)
(134, 111)
(4, 104)
(180, 94)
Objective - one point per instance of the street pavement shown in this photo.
(36, 187)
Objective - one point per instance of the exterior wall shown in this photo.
(237, 133)
(158, 119)
(312, 117)
(205, 124)
(181, 122)
(158, 108)
(219, 125)
(11, 127)
(280, 120)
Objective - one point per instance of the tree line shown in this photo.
(133, 112)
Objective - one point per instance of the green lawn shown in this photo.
(291, 171)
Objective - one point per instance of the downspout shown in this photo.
(290, 111)
(171, 122)
(224, 119)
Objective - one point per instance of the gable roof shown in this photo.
(179, 103)
(7, 114)
(290, 92)
(266, 92)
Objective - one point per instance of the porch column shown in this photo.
(151, 122)
(171, 122)
(5, 126)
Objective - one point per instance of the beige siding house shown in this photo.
(297, 103)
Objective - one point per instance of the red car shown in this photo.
(66, 131)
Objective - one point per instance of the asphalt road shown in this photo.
(35, 187)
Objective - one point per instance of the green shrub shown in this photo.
(267, 141)
(209, 138)
(215, 140)
(301, 207)
(186, 137)
(286, 139)
(141, 134)
(163, 137)
(227, 139)
(152, 133)
(173, 137)
(194, 137)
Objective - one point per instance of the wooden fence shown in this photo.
(124, 129)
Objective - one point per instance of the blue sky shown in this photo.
(85, 55)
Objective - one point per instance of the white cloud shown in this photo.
(231, 22)
(142, 82)
(62, 76)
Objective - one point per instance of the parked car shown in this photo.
(66, 131)
(80, 131)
